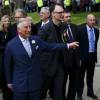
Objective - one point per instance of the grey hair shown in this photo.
(45, 9)
(29, 19)
(21, 22)
(21, 11)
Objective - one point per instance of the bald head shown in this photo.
(91, 20)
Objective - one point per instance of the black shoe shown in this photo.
(65, 98)
(79, 97)
(92, 96)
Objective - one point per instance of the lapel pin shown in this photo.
(33, 41)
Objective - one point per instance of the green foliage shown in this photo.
(77, 18)
(35, 17)
(80, 18)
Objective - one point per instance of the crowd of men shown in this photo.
(36, 59)
(8, 6)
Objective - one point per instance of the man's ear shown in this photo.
(18, 30)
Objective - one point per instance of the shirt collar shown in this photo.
(43, 23)
(88, 28)
(22, 39)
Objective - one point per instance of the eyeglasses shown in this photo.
(59, 12)
(18, 17)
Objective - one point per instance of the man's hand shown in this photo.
(10, 86)
(73, 45)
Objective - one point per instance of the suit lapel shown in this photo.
(72, 31)
(95, 34)
(86, 34)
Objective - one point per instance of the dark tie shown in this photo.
(69, 34)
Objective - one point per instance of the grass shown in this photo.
(80, 18)
(77, 18)
(35, 17)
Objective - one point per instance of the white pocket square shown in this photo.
(37, 47)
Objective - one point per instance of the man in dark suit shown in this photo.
(44, 15)
(19, 13)
(71, 58)
(22, 69)
(89, 36)
(52, 63)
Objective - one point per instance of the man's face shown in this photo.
(25, 30)
(67, 17)
(91, 21)
(58, 13)
(44, 15)
(18, 15)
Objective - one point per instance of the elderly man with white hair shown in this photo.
(22, 63)
(44, 15)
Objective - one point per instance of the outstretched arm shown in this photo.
(57, 46)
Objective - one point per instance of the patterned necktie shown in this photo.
(69, 34)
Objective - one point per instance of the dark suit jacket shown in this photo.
(50, 61)
(13, 30)
(4, 38)
(24, 72)
(38, 26)
(72, 57)
(34, 29)
(84, 42)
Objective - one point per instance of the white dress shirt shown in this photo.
(26, 45)
(44, 23)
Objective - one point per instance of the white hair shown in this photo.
(29, 19)
(21, 22)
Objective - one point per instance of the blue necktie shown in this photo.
(92, 41)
